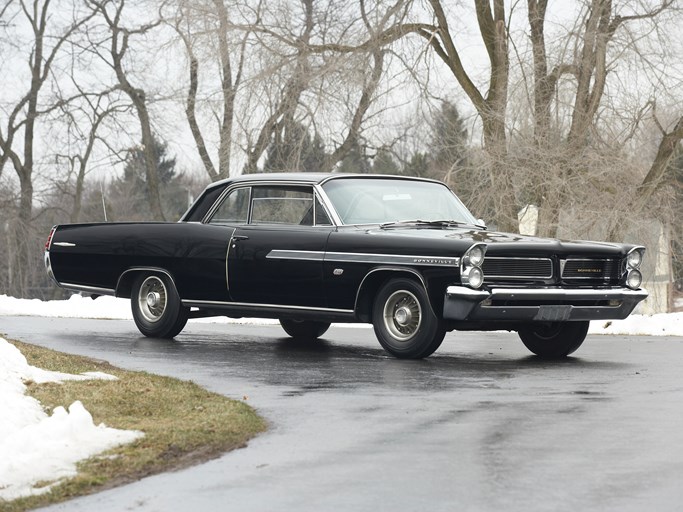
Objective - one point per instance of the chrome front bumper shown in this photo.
(540, 304)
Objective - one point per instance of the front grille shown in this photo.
(517, 268)
(596, 270)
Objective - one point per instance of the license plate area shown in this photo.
(553, 313)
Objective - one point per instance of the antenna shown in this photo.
(104, 206)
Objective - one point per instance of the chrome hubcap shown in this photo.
(152, 299)
(402, 315)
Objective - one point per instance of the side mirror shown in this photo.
(482, 223)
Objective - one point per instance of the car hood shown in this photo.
(498, 243)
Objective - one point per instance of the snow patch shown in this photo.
(37, 448)
(663, 324)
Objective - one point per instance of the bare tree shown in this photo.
(84, 120)
(587, 70)
(18, 135)
(231, 69)
(111, 11)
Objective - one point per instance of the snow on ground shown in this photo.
(669, 324)
(105, 307)
(36, 448)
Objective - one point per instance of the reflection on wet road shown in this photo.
(481, 425)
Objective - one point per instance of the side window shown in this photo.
(282, 205)
(234, 209)
(321, 218)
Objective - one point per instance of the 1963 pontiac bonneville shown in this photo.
(403, 254)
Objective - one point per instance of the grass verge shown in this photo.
(183, 423)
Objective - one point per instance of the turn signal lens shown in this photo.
(634, 279)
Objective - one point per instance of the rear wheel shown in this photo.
(404, 322)
(304, 329)
(156, 306)
(554, 340)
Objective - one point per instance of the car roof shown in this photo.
(304, 177)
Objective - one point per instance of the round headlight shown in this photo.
(476, 255)
(634, 259)
(475, 277)
(634, 279)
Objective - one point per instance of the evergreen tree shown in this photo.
(384, 163)
(314, 155)
(292, 149)
(134, 169)
(355, 161)
(418, 165)
(128, 195)
(448, 143)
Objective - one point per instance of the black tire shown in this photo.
(404, 322)
(554, 340)
(156, 306)
(304, 329)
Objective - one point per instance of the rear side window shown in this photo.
(203, 204)
(234, 209)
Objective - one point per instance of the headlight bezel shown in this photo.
(632, 263)
(634, 258)
(471, 272)
(634, 274)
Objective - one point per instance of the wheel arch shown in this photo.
(374, 279)
(124, 285)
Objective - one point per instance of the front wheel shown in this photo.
(404, 322)
(156, 306)
(304, 329)
(554, 340)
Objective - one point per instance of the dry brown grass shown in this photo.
(183, 423)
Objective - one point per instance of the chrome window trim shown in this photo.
(259, 183)
(487, 276)
(327, 204)
(317, 198)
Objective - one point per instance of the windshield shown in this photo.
(385, 200)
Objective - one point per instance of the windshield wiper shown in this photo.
(419, 222)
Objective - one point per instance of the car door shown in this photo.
(277, 257)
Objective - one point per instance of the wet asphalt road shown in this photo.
(479, 426)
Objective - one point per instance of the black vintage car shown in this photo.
(309, 249)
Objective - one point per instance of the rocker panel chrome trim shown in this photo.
(88, 289)
(193, 302)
